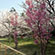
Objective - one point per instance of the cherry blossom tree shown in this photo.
(40, 21)
(14, 26)
(9, 21)
(14, 23)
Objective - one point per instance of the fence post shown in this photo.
(5, 50)
(0, 46)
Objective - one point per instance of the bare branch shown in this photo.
(51, 6)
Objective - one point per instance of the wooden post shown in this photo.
(0, 46)
(5, 50)
(6, 47)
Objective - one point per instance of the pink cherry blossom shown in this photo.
(29, 2)
(36, 41)
(42, 5)
(38, 17)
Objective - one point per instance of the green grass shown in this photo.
(28, 46)
(21, 42)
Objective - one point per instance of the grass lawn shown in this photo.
(28, 46)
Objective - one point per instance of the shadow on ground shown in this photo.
(30, 49)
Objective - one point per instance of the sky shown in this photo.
(8, 4)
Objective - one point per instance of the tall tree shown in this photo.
(40, 17)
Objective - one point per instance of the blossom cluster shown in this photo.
(38, 20)
(14, 24)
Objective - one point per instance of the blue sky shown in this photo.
(7, 4)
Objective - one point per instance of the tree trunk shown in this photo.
(16, 45)
(43, 49)
(16, 42)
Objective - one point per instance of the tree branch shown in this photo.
(49, 11)
(51, 6)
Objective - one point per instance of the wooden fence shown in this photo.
(4, 50)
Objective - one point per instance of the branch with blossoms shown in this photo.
(14, 23)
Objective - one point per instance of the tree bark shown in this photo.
(16, 42)
(16, 45)
(43, 49)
